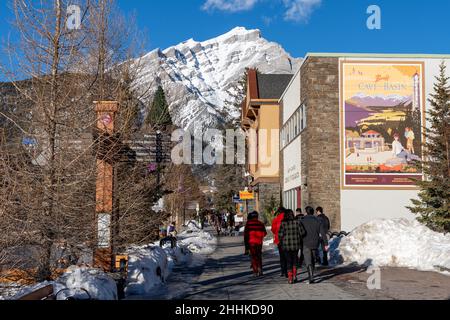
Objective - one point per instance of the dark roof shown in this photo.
(272, 86)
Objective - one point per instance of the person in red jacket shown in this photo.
(254, 234)
(276, 223)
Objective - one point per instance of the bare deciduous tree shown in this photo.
(48, 167)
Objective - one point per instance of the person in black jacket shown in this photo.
(326, 224)
(298, 216)
(314, 231)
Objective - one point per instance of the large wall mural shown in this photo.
(382, 113)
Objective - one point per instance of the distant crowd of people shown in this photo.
(298, 236)
(225, 223)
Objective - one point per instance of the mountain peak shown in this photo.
(201, 78)
(238, 33)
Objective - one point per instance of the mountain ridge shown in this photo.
(201, 79)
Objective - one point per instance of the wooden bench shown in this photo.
(45, 293)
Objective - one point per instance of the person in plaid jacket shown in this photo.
(290, 236)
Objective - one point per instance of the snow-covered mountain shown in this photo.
(200, 78)
(363, 100)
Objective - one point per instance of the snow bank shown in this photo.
(97, 283)
(14, 291)
(193, 226)
(268, 243)
(77, 282)
(198, 242)
(393, 243)
(148, 267)
(178, 255)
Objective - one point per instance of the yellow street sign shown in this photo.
(246, 195)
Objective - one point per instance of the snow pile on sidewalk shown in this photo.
(268, 243)
(14, 291)
(394, 243)
(75, 280)
(197, 240)
(150, 266)
(73, 283)
(178, 255)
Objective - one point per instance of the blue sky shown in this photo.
(415, 26)
(300, 26)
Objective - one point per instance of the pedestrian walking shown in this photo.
(254, 234)
(298, 213)
(301, 258)
(218, 223)
(311, 241)
(276, 223)
(326, 225)
(290, 236)
(172, 230)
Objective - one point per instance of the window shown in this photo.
(296, 123)
(294, 126)
(290, 199)
(304, 117)
(301, 119)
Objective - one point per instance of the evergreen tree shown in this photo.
(158, 114)
(433, 206)
(229, 181)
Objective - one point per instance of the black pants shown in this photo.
(282, 260)
(291, 259)
(301, 258)
(310, 256)
(324, 253)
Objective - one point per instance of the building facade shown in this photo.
(351, 128)
(261, 121)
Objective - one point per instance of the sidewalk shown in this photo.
(227, 276)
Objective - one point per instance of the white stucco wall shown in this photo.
(361, 206)
(292, 165)
(291, 98)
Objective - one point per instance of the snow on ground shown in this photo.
(394, 243)
(268, 243)
(150, 266)
(73, 283)
(14, 291)
(77, 280)
(197, 240)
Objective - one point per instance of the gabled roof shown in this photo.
(272, 86)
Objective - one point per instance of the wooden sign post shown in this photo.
(103, 256)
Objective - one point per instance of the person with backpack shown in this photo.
(254, 234)
(290, 236)
(276, 223)
(311, 240)
(326, 224)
